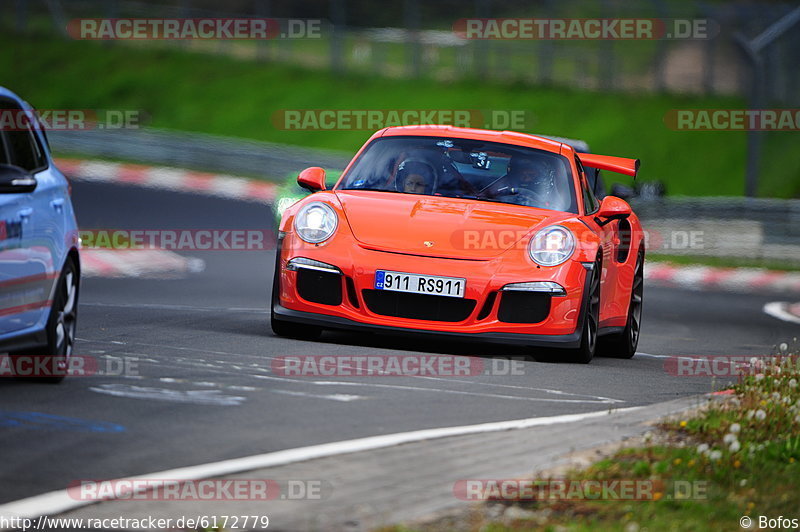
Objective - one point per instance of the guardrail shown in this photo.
(196, 151)
(747, 228)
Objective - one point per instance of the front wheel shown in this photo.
(591, 320)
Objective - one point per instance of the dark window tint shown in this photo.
(465, 168)
(5, 153)
(22, 147)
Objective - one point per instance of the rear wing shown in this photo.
(620, 165)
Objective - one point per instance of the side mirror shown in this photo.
(15, 180)
(613, 208)
(312, 179)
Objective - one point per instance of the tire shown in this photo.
(591, 321)
(288, 329)
(61, 326)
(624, 344)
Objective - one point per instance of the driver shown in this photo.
(415, 177)
(533, 179)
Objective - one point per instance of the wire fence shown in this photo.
(418, 39)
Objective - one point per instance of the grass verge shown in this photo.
(736, 458)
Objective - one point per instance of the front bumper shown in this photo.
(560, 327)
(570, 341)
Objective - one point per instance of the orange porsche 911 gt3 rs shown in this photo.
(485, 235)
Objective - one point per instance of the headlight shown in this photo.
(316, 222)
(552, 245)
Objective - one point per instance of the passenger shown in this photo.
(415, 177)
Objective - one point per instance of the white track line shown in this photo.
(778, 309)
(343, 397)
(156, 306)
(59, 501)
(197, 397)
(204, 363)
(590, 399)
(648, 355)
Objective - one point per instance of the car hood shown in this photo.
(440, 227)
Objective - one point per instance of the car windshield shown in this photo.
(465, 168)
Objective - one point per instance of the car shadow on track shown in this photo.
(406, 342)
(251, 324)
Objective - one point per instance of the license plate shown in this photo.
(420, 284)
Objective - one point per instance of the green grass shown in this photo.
(738, 457)
(221, 95)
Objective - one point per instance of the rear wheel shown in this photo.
(591, 321)
(623, 345)
(60, 329)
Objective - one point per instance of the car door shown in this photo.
(610, 240)
(26, 261)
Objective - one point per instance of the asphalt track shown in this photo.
(202, 389)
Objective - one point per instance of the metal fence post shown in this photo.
(413, 48)
(112, 11)
(546, 50)
(57, 14)
(262, 10)
(607, 58)
(709, 49)
(480, 63)
(21, 15)
(184, 11)
(337, 35)
(752, 50)
(662, 47)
